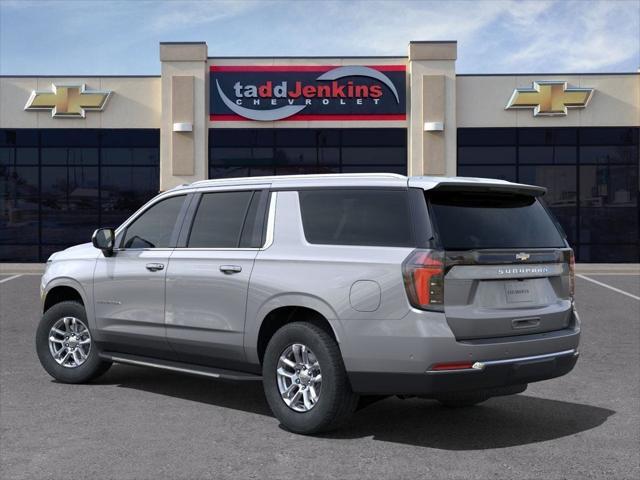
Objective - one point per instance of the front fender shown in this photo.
(80, 278)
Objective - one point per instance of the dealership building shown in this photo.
(78, 152)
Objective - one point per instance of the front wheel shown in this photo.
(65, 347)
(305, 380)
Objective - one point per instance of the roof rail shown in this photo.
(303, 176)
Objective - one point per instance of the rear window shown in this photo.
(356, 217)
(469, 220)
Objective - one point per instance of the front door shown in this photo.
(129, 286)
(208, 279)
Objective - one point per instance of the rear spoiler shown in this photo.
(507, 187)
(474, 184)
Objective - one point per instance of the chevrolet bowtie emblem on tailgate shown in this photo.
(549, 97)
(67, 101)
(522, 256)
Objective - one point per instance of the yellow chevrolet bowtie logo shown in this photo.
(549, 97)
(67, 101)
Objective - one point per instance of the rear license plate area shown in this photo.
(519, 291)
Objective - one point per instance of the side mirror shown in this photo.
(104, 239)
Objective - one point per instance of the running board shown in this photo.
(188, 368)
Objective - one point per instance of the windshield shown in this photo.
(476, 220)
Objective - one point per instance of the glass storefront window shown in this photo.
(591, 175)
(608, 154)
(547, 154)
(503, 172)
(486, 155)
(291, 151)
(19, 205)
(58, 185)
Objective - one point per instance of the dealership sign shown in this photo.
(306, 92)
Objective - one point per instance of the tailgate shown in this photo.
(488, 295)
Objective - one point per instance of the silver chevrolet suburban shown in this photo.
(331, 289)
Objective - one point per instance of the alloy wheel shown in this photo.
(299, 377)
(69, 342)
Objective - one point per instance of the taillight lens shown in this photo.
(423, 273)
(572, 274)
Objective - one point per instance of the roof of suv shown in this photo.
(362, 180)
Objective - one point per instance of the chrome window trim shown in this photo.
(212, 249)
(203, 189)
(271, 213)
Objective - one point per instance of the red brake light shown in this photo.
(423, 273)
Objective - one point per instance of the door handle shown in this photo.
(229, 269)
(154, 267)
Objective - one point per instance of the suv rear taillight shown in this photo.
(572, 274)
(423, 273)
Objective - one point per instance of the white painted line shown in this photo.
(612, 274)
(24, 274)
(608, 286)
(10, 278)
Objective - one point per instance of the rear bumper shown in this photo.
(487, 375)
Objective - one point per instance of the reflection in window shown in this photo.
(609, 154)
(69, 204)
(591, 176)
(154, 228)
(547, 154)
(19, 205)
(219, 219)
(562, 194)
(503, 172)
(58, 185)
(290, 151)
(486, 155)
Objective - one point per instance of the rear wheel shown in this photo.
(305, 381)
(65, 347)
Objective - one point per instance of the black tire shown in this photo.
(461, 400)
(336, 402)
(92, 367)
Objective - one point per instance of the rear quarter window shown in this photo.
(368, 217)
(476, 220)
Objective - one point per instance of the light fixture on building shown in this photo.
(433, 126)
(183, 127)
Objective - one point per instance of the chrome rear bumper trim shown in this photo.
(480, 366)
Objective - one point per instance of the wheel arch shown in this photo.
(281, 315)
(60, 291)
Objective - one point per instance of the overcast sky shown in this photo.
(121, 37)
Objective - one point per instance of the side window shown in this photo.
(153, 229)
(376, 217)
(253, 230)
(219, 219)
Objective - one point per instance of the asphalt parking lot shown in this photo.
(142, 423)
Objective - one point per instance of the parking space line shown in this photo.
(584, 277)
(613, 274)
(10, 278)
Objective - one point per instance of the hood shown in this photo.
(84, 250)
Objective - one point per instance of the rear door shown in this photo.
(507, 263)
(208, 276)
